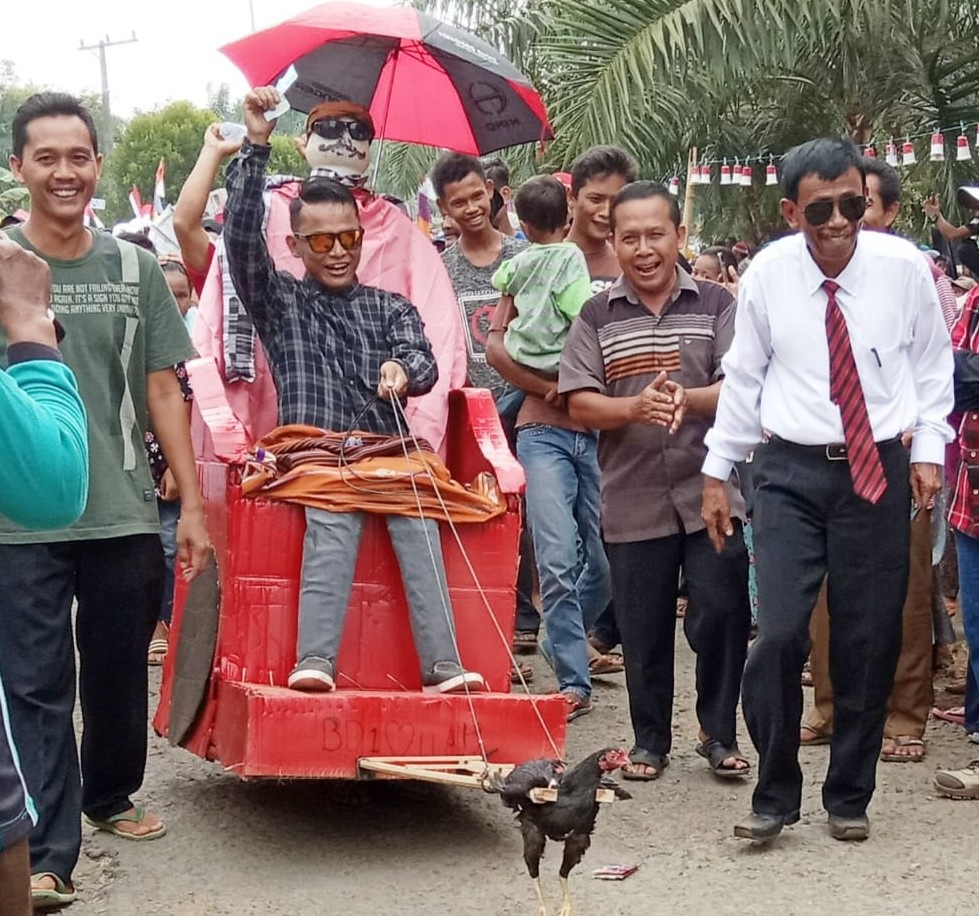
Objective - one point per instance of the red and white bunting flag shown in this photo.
(136, 202)
(91, 219)
(159, 188)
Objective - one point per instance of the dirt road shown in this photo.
(312, 849)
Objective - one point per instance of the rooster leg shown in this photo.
(533, 848)
(541, 900)
(575, 846)
(565, 899)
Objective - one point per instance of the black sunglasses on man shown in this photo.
(852, 208)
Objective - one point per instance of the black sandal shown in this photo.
(716, 753)
(641, 758)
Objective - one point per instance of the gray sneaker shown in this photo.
(313, 674)
(451, 677)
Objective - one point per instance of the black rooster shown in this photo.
(570, 819)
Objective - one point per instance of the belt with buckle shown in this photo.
(835, 451)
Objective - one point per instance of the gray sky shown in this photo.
(175, 56)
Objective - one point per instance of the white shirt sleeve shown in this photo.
(737, 426)
(930, 355)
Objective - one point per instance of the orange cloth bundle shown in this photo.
(364, 472)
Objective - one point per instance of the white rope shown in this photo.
(444, 589)
(402, 431)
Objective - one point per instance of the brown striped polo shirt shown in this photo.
(651, 481)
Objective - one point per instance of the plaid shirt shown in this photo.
(325, 347)
(963, 510)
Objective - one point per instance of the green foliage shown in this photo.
(731, 77)
(13, 196)
(175, 133)
(285, 159)
(403, 167)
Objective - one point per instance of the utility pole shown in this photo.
(100, 47)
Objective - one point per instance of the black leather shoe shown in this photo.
(849, 828)
(764, 826)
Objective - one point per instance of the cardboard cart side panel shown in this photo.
(275, 732)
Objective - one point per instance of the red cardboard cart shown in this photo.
(233, 635)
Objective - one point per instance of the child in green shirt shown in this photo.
(549, 280)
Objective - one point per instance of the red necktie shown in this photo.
(845, 392)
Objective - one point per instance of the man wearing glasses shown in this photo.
(340, 353)
(839, 348)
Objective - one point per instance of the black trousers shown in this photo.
(118, 583)
(644, 588)
(808, 523)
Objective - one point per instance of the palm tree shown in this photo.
(734, 76)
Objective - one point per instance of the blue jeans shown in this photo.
(169, 516)
(563, 514)
(967, 549)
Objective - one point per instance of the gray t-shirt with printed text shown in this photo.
(477, 303)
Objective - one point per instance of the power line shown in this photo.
(100, 46)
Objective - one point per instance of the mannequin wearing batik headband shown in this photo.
(395, 256)
(337, 142)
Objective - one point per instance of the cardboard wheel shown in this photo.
(194, 660)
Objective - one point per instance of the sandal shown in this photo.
(816, 739)
(891, 756)
(640, 764)
(609, 663)
(157, 652)
(47, 898)
(716, 753)
(806, 678)
(110, 825)
(525, 642)
(521, 673)
(577, 705)
(955, 715)
(599, 645)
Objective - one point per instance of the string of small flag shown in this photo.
(740, 173)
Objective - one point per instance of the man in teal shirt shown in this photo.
(43, 482)
(124, 334)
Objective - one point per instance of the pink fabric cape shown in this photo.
(396, 257)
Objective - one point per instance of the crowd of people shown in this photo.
(749, 435)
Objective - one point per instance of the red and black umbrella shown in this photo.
(423, 81)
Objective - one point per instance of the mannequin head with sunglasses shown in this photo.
(337, 141)
(825, 199)
(326, 233)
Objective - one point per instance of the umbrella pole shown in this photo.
(377, 164)
(387, 110)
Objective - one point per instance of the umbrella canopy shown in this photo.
(423, 81)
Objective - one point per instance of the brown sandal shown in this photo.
(610, 663)
(817, 738)
(903, 741)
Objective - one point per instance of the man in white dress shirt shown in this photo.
(839, 348)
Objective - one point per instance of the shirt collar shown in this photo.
(813, 277)
(621, 289)
(347, 293)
